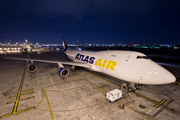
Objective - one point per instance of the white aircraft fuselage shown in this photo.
(125, 65)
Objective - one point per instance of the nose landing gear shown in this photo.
(130, 87)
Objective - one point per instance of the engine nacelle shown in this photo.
(32, 67)
(63, 72)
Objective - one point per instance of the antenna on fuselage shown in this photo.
(64, 44)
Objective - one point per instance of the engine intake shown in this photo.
(32, 67)
(63, 72)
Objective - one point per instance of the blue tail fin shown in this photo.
(64, 44)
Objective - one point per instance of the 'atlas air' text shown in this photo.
(108, 64)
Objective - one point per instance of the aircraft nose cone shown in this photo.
(169, 78)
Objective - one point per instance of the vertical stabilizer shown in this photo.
(64, 44)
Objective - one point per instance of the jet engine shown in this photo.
(62, 71)
(32, 67)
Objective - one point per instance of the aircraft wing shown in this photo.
(81, 64)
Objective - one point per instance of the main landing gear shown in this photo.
(130, 87)
(73, 68)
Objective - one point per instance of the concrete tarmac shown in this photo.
(44, 95)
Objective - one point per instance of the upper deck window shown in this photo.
(142, 57)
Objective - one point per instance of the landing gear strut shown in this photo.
(130, 87)
(73, 68)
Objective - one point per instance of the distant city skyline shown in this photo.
(86, 44)
(83, 42)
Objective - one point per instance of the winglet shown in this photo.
(64, 44)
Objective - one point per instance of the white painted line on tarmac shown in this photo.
(53, 83)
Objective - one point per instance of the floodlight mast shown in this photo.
(26, 41)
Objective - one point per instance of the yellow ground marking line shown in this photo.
(14, 111)
(163, 93)
(19, 91)
(160, 103)
(99, 88)
(28, 93)
(42, 98)
(17, 112)
(40, 102)
(22, 94)
(21, 100)
(52, 116)
(124, 104)
(23, 91)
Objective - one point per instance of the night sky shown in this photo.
(90, 21)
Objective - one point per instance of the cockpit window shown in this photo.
(142, 57)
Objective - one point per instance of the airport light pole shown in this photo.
(26, 41)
